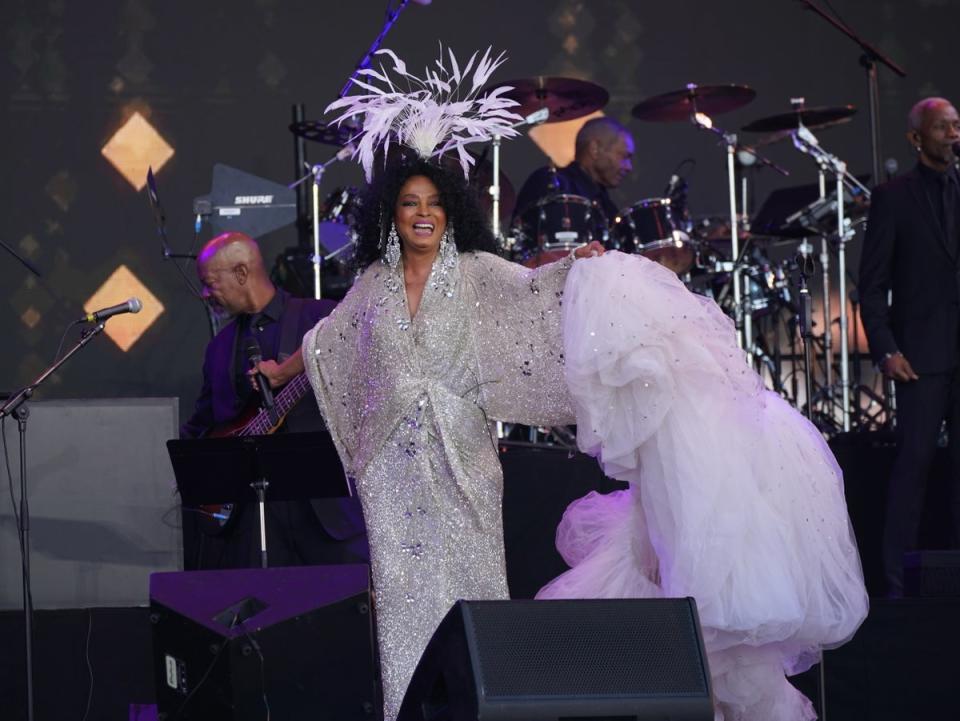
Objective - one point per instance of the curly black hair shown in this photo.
(471, 225)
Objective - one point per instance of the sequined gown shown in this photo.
(410, 402)
(734, 499)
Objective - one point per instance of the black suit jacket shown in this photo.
(905, 250)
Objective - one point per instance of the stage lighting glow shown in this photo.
(126, 329)
(556, 140)
(30, 317)
(135, 147)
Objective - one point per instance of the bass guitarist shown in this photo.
(233, 278)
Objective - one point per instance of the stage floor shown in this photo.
(902, 664)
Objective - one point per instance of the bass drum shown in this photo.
(649, 228)
(552, 227)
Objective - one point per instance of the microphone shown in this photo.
(317, 170)
(133, 305)
(345, 152)
(255, 356)
(890, 167)
(672, 185)
(537, 117)
(956, 148)
(554, 182)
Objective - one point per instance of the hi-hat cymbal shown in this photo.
(321, 132)
(679, 105)
(810, 117)
(566, 98)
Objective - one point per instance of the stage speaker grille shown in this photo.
(630, 659)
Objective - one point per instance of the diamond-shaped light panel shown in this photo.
(134, 148)
(126, 329)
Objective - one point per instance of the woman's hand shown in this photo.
(590, 250)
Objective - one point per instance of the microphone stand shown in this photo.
(16, 406)
(214, 319)
(743, 322)
(871, 56)
(364, 63)
(23, 261)
(316, 172)
(535, 118)
(805, 327)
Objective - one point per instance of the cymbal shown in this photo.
(566, 98)
(321, 132)
(811, 117)
(678, 105)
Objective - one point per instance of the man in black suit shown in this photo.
(234, 279)
(912, 248)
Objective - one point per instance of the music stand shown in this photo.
(293, 466)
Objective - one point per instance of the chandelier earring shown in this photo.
(391, 251)
(448, 247)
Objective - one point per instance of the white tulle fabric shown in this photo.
(734, 497)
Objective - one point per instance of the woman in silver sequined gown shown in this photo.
(410, 371)
(424, 353)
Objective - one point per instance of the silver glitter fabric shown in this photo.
(410, 404)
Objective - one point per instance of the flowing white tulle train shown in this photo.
(734, 498)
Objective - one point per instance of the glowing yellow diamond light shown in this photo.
(126, 329)
(556, 140)
(30, 317)
(134, 148)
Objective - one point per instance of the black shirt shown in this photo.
(572, 179)
(943, 192)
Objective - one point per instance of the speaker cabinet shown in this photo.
(279, 643)
(591, 660)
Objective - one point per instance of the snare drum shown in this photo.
(649, 229)
(553, 226)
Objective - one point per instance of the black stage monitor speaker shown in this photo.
(281, 643)
(596, 660)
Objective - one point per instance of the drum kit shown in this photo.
(728, 259)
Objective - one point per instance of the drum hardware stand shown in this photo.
(316, 172)
(742, 321)
(16, 406)
(535, 118)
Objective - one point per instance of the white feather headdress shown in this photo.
(432, 117)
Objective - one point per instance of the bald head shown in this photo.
(233, 275)
(232, 248)
(602, 131)
(604, 149)
(933, 127)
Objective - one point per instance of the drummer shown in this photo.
(603, 157)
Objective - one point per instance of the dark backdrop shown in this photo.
(217, 79)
